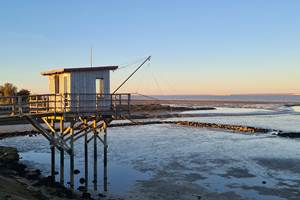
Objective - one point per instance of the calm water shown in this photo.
(213, 161)
(35, 152)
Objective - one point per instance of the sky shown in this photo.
(216, 47)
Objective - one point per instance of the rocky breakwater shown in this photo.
(239, 128)
(236, 128)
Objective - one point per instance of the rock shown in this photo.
(57, 184)
(19, 168)
(81, 188)
(101, 195)
(81, 180)
(69, 194)
(38, 171)
(8, 155)
(46, 181)
(86, 195)
(32, 175)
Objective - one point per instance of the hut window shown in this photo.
(56, 86)
(99, 86)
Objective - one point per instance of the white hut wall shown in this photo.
(60, 85)
(83, 86)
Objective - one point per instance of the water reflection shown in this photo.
(121, 177)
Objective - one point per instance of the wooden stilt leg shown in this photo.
(105, 160)
(62, 157)
(62, 167)
(95, 157)
(52, 162)
(52, 155)
(72, 157)
(86, 161)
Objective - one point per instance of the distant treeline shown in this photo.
(8, 90)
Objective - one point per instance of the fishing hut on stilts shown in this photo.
(79, 105)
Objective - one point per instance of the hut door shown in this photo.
(99, 86)
(99, 93)
(56, 84)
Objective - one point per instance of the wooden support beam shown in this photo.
(89, 129)
(35, 124)
(87, 126)
(56, 117)
(66, 131)
(90, 139)
(102, 141)
(50, 126)
(72, 157)
(57, 142)
(81, 134)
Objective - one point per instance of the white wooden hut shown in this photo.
(86, 88)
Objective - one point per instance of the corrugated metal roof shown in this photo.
(80, 69)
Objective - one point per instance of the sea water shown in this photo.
(257, 166)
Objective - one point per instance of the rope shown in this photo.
(131, 64)
(155, 80)
(142, 77)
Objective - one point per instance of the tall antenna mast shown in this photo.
(91, 57)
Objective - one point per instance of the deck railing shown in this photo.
(65, 103)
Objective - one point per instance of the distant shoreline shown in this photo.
(211, 102)
(276, 98)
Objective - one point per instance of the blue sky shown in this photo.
(198, 47)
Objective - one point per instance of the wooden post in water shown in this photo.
(95, 156)
(86, 158)
(72, 156)
(62, 156)
(105, 158)
(52, 147)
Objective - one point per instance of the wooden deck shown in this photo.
(67, 105)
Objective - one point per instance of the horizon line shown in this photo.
(247, 94)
